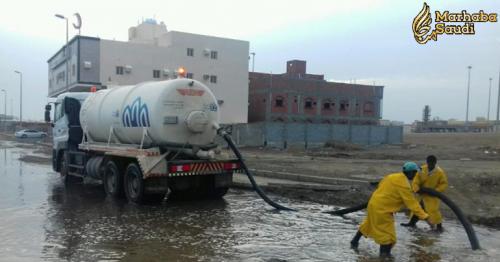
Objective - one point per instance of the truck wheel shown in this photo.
(113, 180)
(134, 183)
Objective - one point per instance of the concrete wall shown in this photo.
(310, 135)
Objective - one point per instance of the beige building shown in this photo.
(153, 54)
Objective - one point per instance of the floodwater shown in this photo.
(41, 219)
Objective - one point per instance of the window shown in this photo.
(308, 104)
(213, 79)
(58, 112)
(279, 101)
(344, 106)
(73, 69)
(328, 105)
(60, 77)
(190, 52)
(119, 70)
(189, 75)
(156, 73)
(213, 54)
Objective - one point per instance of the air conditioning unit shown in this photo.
(206, 52)
(128, 69)
(87, 64)
(206, 77)
(166, 72)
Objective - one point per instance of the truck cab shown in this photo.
(66, 130)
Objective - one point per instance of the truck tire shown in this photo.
(113, 179)
(134, 184)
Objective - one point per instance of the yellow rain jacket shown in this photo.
(436, 180)
(393, 193)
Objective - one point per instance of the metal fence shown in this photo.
(310, 135)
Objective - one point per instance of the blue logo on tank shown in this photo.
(136, 115)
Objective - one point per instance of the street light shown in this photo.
(468, 92)
(20, 96)
(498, 100)
(5, 102)
(66, 53)
(489, 99)
(253, 61)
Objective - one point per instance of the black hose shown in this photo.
(341, 212)
(471, 234)
(256, 187)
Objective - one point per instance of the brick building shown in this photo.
(296, 96)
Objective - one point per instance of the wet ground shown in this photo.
(42, 219)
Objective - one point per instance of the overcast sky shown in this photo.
(370, 41)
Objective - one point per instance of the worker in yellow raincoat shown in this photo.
(431, 176)
(392, 194)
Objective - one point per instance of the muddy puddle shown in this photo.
(41, 219)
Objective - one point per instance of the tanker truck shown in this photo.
(142, 140)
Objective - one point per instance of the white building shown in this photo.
(153, 54)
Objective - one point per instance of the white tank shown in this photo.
(178, 112)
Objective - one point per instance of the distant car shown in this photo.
(25, 133)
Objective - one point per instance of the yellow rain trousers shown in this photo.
(436, 180)
(393, 193)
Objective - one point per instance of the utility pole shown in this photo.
(20, 96)
(489, 99)
(253, 61)
(5, 103)
(66, 52)
(498, 100)
(468, 93)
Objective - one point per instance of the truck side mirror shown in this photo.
(47, 113)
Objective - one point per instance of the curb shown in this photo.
(308, 179)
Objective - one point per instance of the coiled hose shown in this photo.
(256, 187)
(471, 234)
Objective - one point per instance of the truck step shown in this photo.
(75, 174)
(76, 166)
(77, 153)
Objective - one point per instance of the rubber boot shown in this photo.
(355, 240)
(439, 228)
(412, 223)
(385, 250)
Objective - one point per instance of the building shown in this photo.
(454, 126)
(153, 54)
(296, 96)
